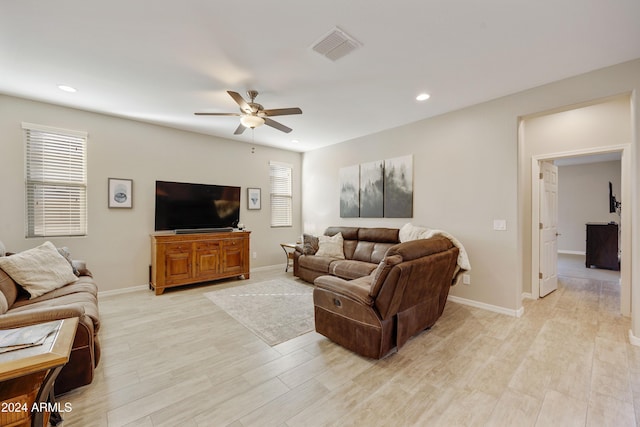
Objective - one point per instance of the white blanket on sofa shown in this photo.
(414, 232)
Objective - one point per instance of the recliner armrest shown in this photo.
(357, 289)
(40, 315)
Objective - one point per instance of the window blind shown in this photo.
(55, 182)
(281, 194)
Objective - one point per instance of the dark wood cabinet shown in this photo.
(602, 246)
(181, 259)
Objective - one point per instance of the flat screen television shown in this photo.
(187, 207)
(614, 204)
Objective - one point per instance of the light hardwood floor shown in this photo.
(178, 360)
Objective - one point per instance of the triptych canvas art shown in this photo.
(379, 189)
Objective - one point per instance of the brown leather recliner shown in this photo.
(406, 294)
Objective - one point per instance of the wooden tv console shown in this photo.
(181, 259)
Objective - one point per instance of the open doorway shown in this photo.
(589, 225)
(592, 128)
(613, 157)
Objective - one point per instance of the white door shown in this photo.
(548, 228)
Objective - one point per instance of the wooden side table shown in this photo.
(27, 376)
(289, 249)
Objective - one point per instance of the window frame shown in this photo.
(55, 182)
(281, 194)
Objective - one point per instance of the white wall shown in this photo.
(463, 180)
(117, 248)
(469, 169)
(583, 196)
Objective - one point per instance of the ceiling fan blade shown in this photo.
(240, 101)
(217, 114)
(239, 129)
(276, 125)
(282, 111)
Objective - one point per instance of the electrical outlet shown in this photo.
(466, 279)
(255, 255)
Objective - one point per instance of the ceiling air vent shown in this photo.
(336, 44)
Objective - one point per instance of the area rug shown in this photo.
(275, 310)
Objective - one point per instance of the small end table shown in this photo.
(289, 249)
(27, 376)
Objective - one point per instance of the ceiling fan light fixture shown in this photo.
(249, 121)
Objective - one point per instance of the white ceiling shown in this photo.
(162, 61)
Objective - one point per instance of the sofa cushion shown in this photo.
(83, 285)
(379, 235)
(372, 252)
(348, 233)
(86, 300)
(316, 263)
(9, 291)
(331, 246)
(38, 270)
(348, 269)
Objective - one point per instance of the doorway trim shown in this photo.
(625, 217)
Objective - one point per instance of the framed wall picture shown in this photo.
(120, 193)
(253, 199)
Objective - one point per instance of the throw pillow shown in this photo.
(8, 292)
(38, 270)
(4, 305)
(331, 246)
(310, 246)
(64, 251)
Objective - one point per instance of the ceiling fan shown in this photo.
(253, 114)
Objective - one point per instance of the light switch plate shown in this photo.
(500, 224)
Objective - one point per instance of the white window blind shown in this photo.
(281, 194)
(56, 181)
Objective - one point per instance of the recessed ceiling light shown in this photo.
(67, 88)
(423, 97)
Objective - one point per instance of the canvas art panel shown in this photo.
(371, 189)
(350, 192)
(398, 187)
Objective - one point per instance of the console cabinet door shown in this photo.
(178, 261)
(207, 259)
(234, 255)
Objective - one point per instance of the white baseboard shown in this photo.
(566, 252)
(633, 339)
(143, 287)
(526, 295)
(122, 290)
(494, 308)
(271, 267)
